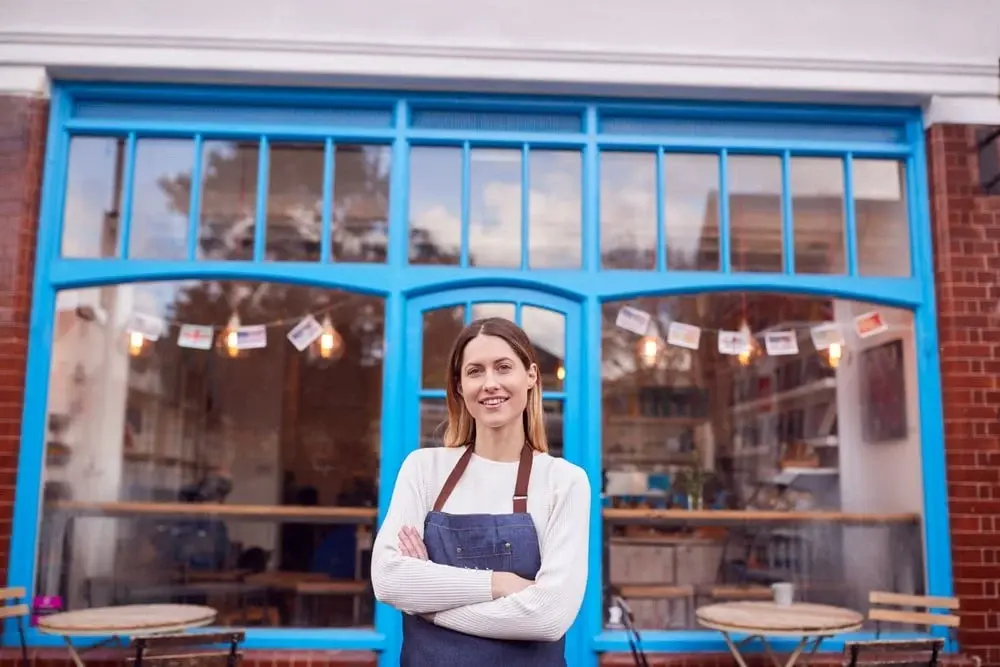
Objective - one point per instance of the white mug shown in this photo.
(784, 593)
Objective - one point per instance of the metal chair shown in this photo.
(17, 611)
(204, 649)
(902, 653)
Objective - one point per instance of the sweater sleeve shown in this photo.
(545, 610)
(412, 585)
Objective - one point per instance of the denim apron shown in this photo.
(497, 542)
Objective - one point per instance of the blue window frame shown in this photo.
(403, 121)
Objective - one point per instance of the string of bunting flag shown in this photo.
(827, 337)
(236, 337)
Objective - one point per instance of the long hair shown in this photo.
(461, 427)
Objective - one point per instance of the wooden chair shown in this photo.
(18, 611)
(924, 617)
(204, 649)
(904, 653)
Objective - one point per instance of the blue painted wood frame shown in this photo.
(590, 126)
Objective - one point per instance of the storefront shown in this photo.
(751, 330)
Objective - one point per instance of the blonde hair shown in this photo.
(461, 428)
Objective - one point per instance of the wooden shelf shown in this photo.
(805, 391)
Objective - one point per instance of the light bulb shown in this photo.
(649, 350)
(834, 354)
(136, 341)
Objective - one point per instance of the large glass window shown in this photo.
(747, 441)
(214, 442)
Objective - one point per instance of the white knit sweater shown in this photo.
(460, 598)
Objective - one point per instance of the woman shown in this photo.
(484, 546)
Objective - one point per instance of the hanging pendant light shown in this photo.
(649, 351)
(229, 340)
(330, 345)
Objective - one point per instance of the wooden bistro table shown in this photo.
(124, 621)
(812, 623)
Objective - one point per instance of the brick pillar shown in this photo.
(23, 122)
(966, 228)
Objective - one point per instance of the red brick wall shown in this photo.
(23, 123)
(966, 227)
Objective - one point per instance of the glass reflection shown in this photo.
(882, 218)
(160, 436)
(441, 327)
(495, 208)
(547, 331)
(159, 210)
(433, 422)
(628, 210)
(228, 199)
(755, 213)
(691, 201)
(361, 203)
(294, 202)
(435, 205)
(555, 209)
(94, 180)
(818, 213)
(724, 474)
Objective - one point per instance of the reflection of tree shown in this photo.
(318, 413)
(295, 196)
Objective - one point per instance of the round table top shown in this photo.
(767, 618)
(134, 619)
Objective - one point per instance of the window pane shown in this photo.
(294, 202)
(755, 213)
(691, 433)
(435, 205)
(483, 310)
(361, 203)
(547, 331)
(155, 449)
(882, 218)
(691, 211)
(228, 199)
(495, 208)
(94, 179)
(441, 327)
(554, 425)
(818, 213)
(433, 422)
(555, 209)
(161, 198)
(628, 210)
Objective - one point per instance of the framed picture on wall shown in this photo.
(883, 392)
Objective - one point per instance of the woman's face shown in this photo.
(494, 382)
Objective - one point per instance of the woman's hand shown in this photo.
(508, 583)
(411, 544)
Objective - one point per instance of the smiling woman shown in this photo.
(499, 564)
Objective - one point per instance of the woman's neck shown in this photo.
(500, 444)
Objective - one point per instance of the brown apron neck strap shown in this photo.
(520, 487)
(523, 475)
(452, 481)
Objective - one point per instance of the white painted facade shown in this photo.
(942, 55)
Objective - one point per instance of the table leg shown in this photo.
(72, 652)
(734, 650)
(793, 658)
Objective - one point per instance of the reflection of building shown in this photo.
(252, 482)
